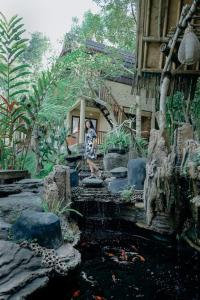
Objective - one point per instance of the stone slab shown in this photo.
(120, 172)
(92, 182)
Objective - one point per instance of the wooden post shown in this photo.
(138, 116)
(153, 116)
(82, 122)
(163, 94)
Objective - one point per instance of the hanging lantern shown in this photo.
(189, 50)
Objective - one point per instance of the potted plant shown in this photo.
(117, 141)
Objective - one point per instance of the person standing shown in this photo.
(90, 148)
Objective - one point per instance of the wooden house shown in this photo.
(117, 93)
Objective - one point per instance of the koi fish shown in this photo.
(114, 279)
(98, 297)
(76, 294)
(84, 276)
(141, 258)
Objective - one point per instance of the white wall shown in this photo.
(122, 93)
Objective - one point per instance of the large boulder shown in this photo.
(11, 207)
(57, 185)
(120, 172)
(137, 173)
(40, 226)
(114, 160)
(21, 272)
(117, 185)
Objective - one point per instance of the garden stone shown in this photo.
(11, 207)
(74, 178)
(117, 185)
(114, 160)
(92, 182)
(57, 185)
(119, 172)
(40, 226)
(137, 173)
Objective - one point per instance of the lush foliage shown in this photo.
(21, 102)
(34, 103)
(127, 194)
(115, 24)
(34, 53)
(180, 110)
(14, 124)
(118, 138)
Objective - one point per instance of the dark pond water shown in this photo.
(127, 267)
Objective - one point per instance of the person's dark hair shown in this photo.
(91, 125)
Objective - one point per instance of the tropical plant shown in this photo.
(12, 45)
(139, 146)
(180, 110)
(117, 138)
(14, 124)
(14, 128)
(59, 208)
(127, 194)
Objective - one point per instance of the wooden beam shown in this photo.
(164, 33)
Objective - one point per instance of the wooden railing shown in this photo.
(105, 94)
(74, 137)
(100, 137)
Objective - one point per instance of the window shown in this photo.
(76, 124)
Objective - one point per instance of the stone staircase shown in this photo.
(102, 209)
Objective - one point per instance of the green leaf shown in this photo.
(13, 58)
(74, 211)
(19, 68)
(36, 92)
(22, 74)
(26, 120)
(19, 83)
(3, 57)
(21, 128)
(14, 20)
(16, 36)
(15, 31)
(19, 92)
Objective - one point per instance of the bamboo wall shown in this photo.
(157, 20)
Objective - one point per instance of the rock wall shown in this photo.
(27, 266)
(57, 185)
(172, 185)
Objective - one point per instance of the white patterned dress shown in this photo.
(90, 151)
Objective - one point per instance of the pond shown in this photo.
(129, 267)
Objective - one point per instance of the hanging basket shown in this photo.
(189, 50)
